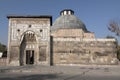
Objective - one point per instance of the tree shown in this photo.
(110, 37)
(118, 52)
(3, 48)
(114, 26)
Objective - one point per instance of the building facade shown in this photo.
(34, 40)
(28, 41)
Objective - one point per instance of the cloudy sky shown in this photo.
(95, 14)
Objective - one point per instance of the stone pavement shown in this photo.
(83, 72)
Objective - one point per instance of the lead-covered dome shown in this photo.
(67, 20)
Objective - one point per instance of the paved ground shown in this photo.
(60, 73)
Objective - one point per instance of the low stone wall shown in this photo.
(3, 61)
(87, 51)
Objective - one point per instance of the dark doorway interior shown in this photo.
(29, 56)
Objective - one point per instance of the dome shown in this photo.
(67, 20)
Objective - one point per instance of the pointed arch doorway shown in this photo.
(28, 50)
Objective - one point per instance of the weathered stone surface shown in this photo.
(90, 52)
(31, 41)
(27, 36)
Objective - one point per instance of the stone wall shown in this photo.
(68, 33)
(85, 51)
(3, 61)
(89, 35)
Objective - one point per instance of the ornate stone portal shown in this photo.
(34, 40)
(29, 40)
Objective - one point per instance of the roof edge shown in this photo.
(29, 16)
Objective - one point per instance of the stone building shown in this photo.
(34, 40)
(29, 40)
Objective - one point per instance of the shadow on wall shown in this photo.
(51, 50)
